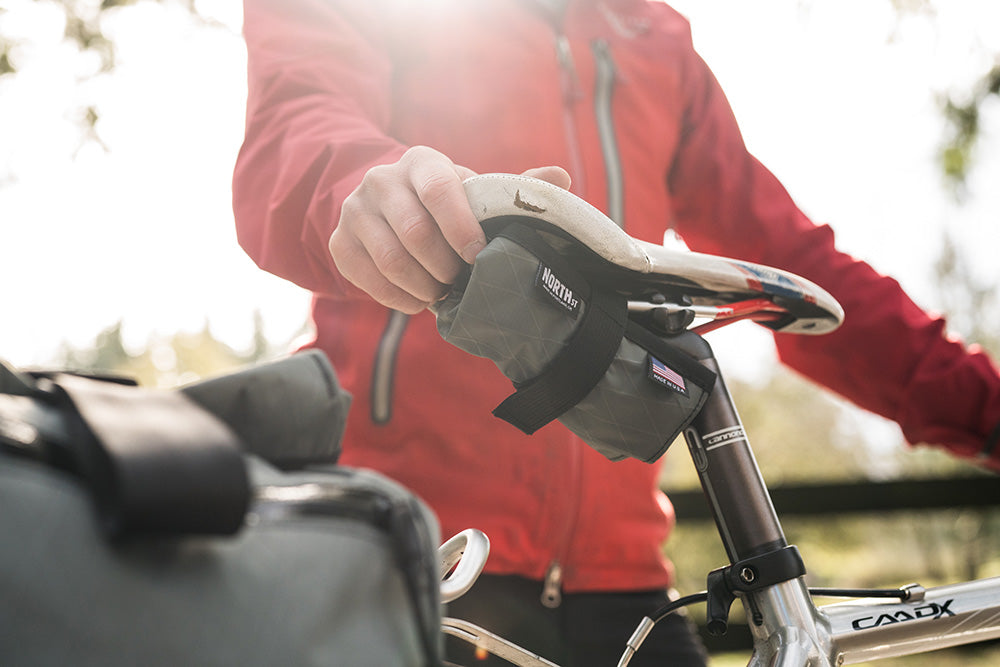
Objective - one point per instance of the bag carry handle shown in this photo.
(154, 460)
(173, 460)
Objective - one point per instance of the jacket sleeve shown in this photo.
(317, 117)
(890, 356)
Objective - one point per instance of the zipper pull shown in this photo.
(552, 587)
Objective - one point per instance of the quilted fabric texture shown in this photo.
(499, 315)
(511, 311)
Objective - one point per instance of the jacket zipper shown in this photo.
(551, 596)
(552, 585)
(570, 84)
(384, 368)
(603, 91)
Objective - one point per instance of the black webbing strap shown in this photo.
(574, 372)
(155, 461)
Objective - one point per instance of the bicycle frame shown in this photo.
(788, 629)
(765, 572)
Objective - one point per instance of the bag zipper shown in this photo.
(384, 367)
(398, 518)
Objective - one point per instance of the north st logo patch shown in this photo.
(553, 288)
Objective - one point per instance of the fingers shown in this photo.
(554, 175)
(369, 255)
(438, 187)
(405, 232)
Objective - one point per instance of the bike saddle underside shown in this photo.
(648, 272)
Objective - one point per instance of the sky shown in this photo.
(837, 97)
(142, 232)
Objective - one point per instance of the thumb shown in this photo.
(554, 175)
(464, 172)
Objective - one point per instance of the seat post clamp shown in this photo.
(747, 576)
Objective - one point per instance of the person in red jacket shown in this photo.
(362, 120)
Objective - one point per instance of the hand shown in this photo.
(406, 231)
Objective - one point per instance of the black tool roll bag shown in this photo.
(139, 530)
(566, 341)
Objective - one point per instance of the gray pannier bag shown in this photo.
(140, 529)
(566, 341)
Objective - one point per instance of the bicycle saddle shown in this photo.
(650, 275)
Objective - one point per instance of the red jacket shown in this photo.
(614, 92)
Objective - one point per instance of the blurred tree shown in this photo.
(962, 112)
(260, 346)
(972, 307)
(799, 432)
(108, 352)
(166, 361)
(83, 28)
(962, 109)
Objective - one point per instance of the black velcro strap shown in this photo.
(155, 461)
(574, 372)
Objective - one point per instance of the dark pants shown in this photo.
(586, 630)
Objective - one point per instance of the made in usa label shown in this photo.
(664, 375)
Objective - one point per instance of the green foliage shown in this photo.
(6, 67)
(165, 361)
(799, 433)
(962, 117)
(83, 28)
(972, 306)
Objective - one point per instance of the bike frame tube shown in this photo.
(727, 469)
(943, 617)
(792, 633)
(788, 629)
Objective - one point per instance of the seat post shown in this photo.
(730, 477)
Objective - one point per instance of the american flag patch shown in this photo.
(662, 374)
